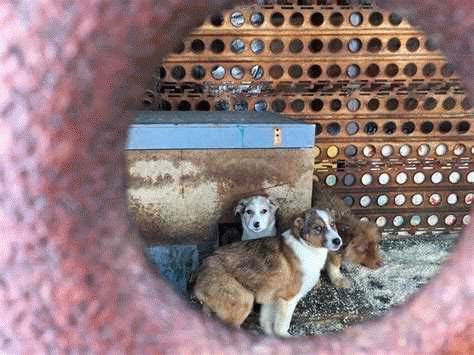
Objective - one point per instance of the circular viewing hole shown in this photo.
(413, 44)
(331, 180)
(218, 72)
(459, 149)
(335, 105)
(423, 150)
(335, 45)
(350, 151)
(277, 19)
(353, 71)
(449, 103)
(315, 45)
(333, 71)
(429, 70)
(445, 127)
(241, 105)
(295, 46)
(162, 72)
(368, 151)
(222, 105)
(179, 48)
(317, 19)
(295, 71)
(352, 128)
(389, 127)
(198, 72)
(237, 19)
(400, 199)
(237, 72)
(217, 20)
(391, 104)
(318, 129)
(317, 105)
(178, 72)
(381, 221)
(410, 104)
(393, 44)
(376, 18)
(278, 105)
(276, 46)
(197, 46)
(256, 19)
(408, 127)
(373, 104)
(370, 128)
(395, 19)
(427, 127)
(430, 103)
(353, 105)
(372, 70)
(297, 105)
(314, 71)
(348, 200)
(203, 106)
(257, 72)
(237, 46)
(184, 105)
(164, 105)
(336, 19)
(405, 150)
(374, 45)
(276, 71)
(332, 151)
(431, 44)
(260, 106)
(466, 104)
(217, 46)
(355, 19)
(354, 45)
(410, 69)
(257, 46)
(297, 19)
(447, 70)
(349, 180)
(391, 70)
(463, 127)
(333, 128)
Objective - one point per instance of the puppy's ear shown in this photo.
(297, 228)
(332, 211)
(362, 247)
(273, 204)
(240, 208)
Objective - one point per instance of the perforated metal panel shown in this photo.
(393, 123)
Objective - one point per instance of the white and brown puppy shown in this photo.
(275, 272)
(257, 214)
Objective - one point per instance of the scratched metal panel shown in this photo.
(180, 196)
(380, 92)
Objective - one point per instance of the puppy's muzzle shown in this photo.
(333, 241)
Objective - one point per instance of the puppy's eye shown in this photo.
(264, 211)
(333, 225)
(318, 229)
(249, 212)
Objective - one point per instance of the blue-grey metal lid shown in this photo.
(217, 130)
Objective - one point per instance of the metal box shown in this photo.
(187, 170)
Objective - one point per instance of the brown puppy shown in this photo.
(360, 239)
(273, 271)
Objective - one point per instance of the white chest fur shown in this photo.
(311, 262)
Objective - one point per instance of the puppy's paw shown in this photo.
(283, 334)
(342, 282)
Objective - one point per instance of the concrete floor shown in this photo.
(409, 263)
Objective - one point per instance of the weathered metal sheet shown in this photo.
(180, 196)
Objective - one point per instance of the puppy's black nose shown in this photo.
(256, 224)
(336, 241)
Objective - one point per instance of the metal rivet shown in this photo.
(435, 199)
(400, 199)
(401, 178)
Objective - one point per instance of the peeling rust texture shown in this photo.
(72, 277)
(181, 196)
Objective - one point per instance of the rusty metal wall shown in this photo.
(383, 97)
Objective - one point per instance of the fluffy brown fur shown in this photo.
(262, 270)
(360, 239)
